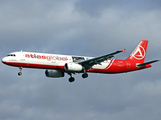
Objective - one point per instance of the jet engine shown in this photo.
(73, 67)
(54, 73)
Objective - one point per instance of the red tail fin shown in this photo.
(139, 53)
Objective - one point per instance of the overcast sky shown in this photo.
(80, 27)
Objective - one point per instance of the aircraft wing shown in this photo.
(97, 60)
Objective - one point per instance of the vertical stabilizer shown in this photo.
(138, 55)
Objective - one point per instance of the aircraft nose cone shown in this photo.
(4, 60)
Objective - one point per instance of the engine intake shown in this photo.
(54, 73)
(73, 67)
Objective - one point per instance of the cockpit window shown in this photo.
(13, 55)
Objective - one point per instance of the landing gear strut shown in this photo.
(20, 73)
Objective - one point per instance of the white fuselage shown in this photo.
(46, 61)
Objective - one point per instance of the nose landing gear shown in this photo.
(20, 73)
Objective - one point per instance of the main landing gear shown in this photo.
(72, 79)
(20, 73)
(84, 75)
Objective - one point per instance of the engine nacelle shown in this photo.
(73, 67)
(54, 73)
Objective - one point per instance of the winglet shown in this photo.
(123, 50)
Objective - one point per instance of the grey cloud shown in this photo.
(95, 7)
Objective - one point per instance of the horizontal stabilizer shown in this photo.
(143, 64)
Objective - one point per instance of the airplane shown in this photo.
(57, 65)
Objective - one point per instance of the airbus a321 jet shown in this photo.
(56, 65)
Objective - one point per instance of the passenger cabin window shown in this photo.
(13, 55)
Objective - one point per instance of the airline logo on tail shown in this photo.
(139, 53)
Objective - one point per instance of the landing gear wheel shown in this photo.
(19, 73)
(85, 75)
(71, 79)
